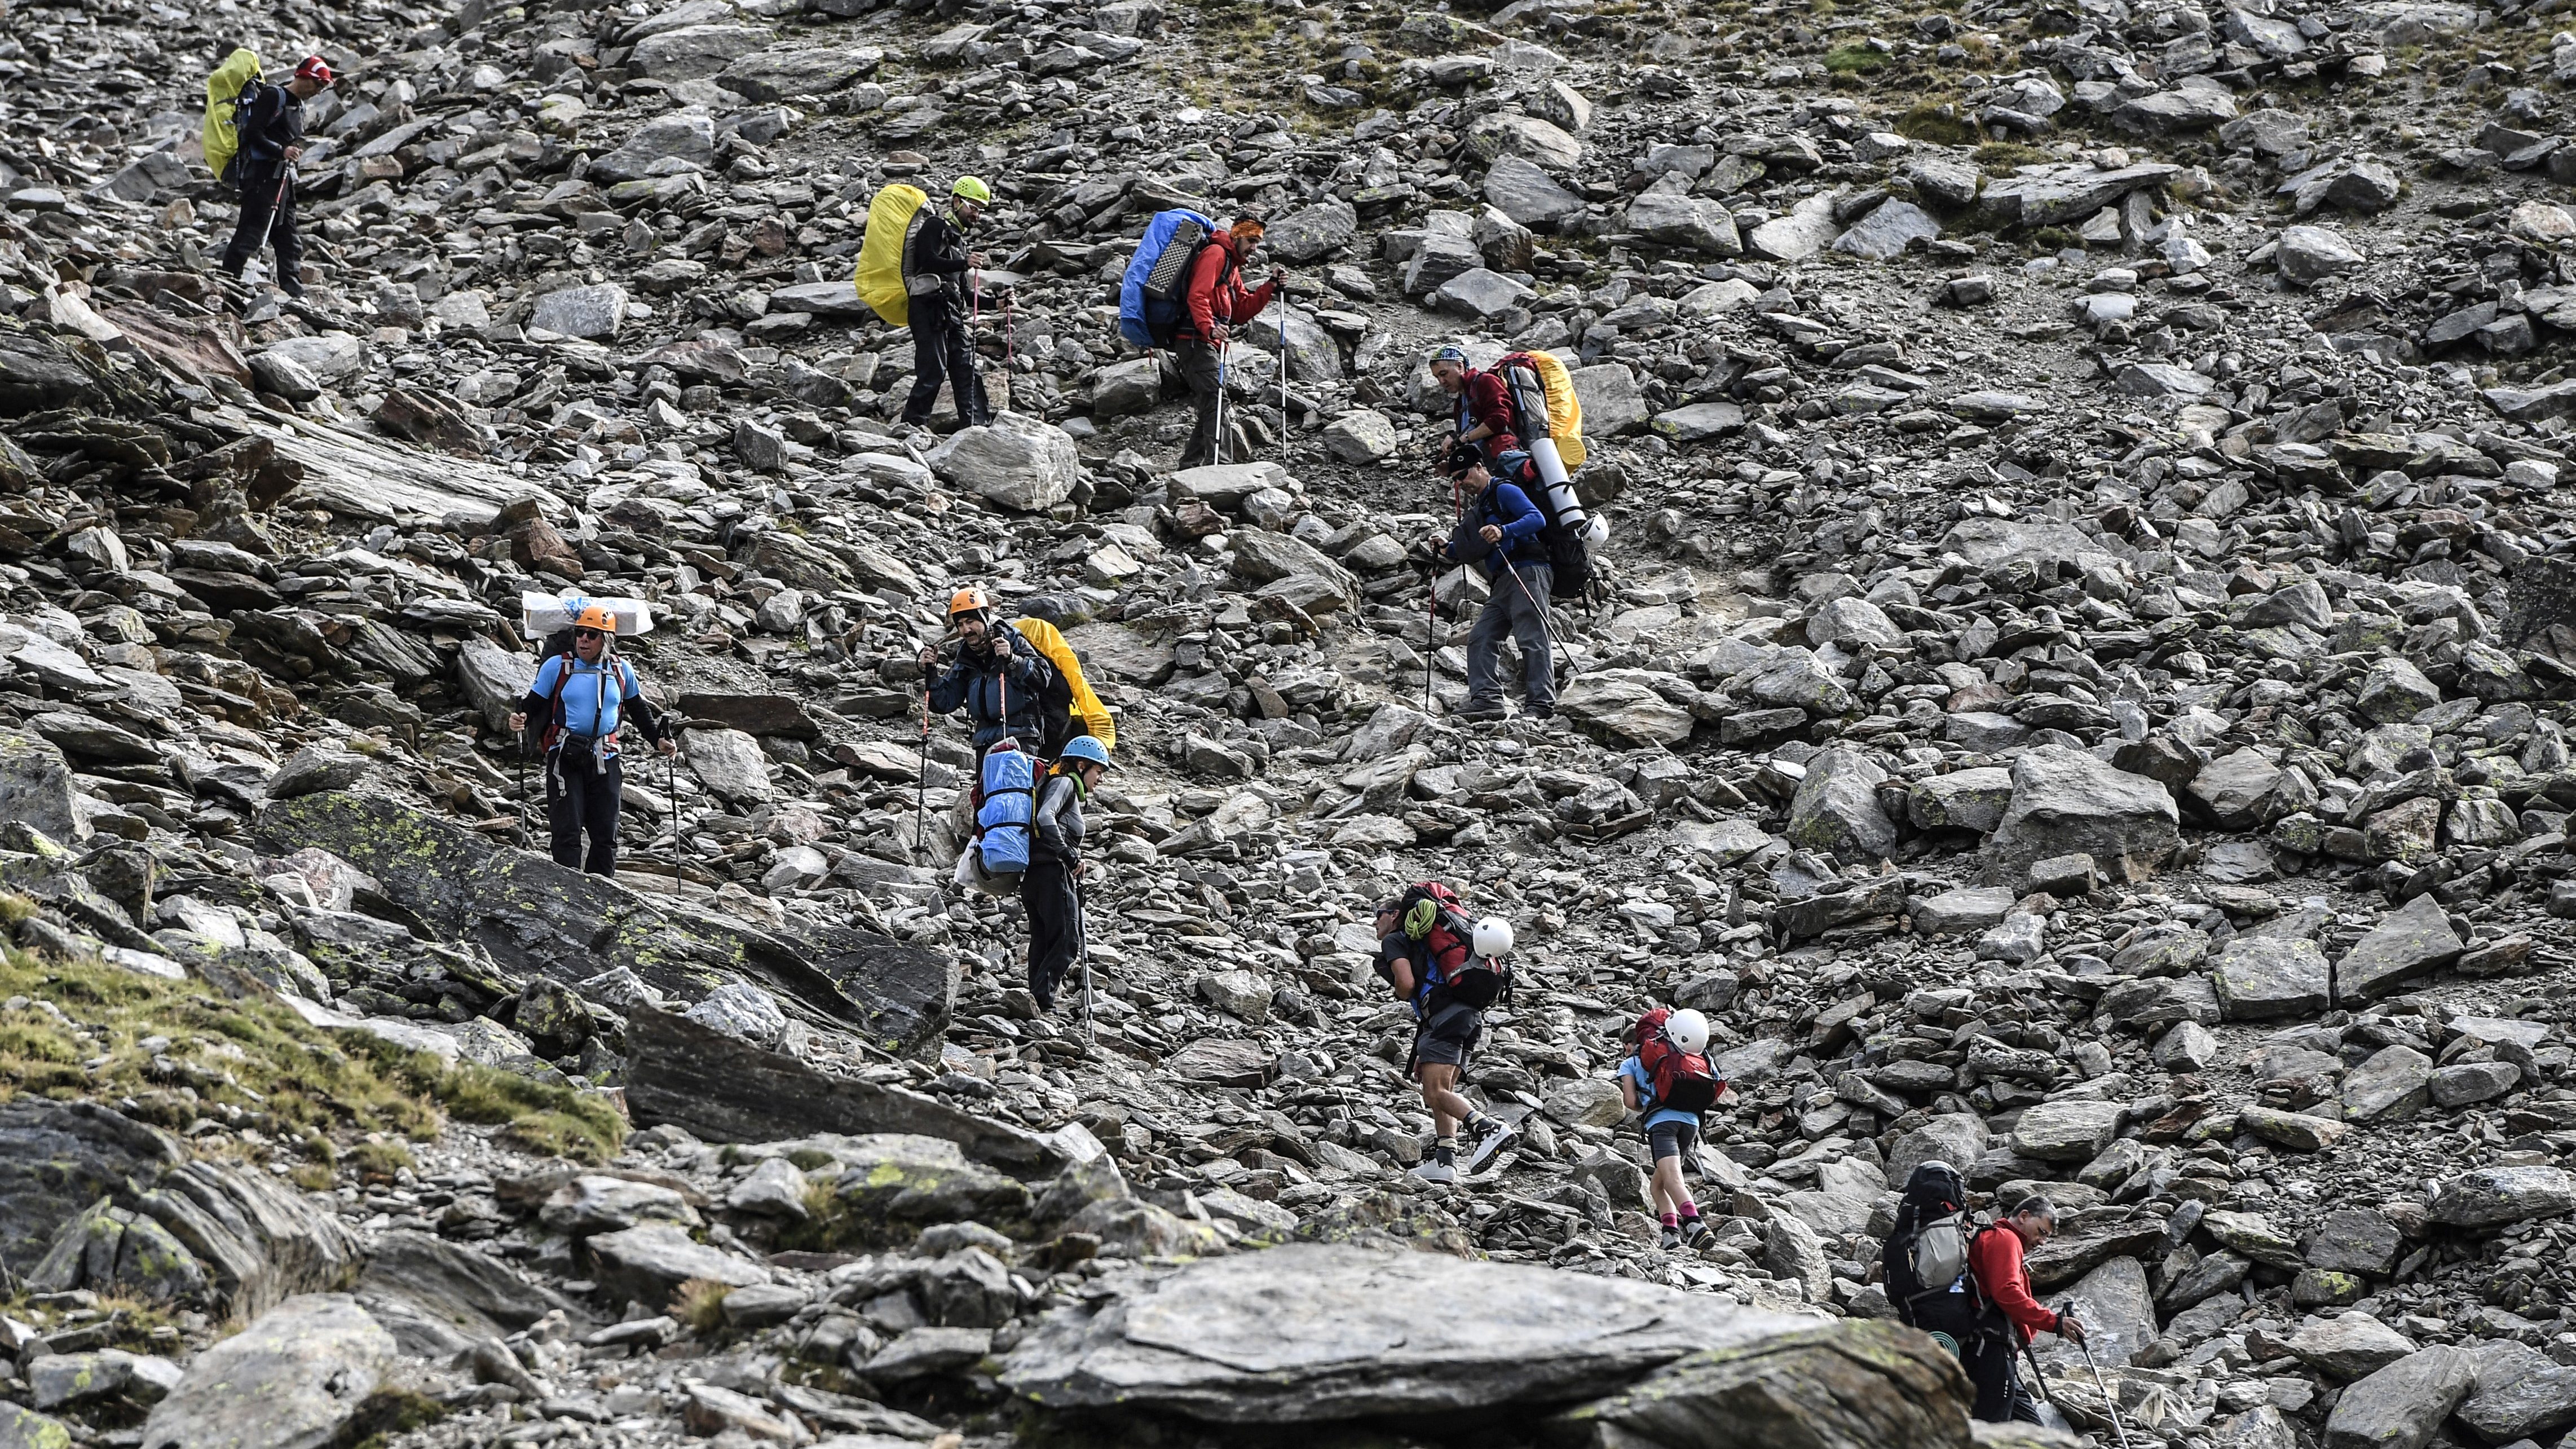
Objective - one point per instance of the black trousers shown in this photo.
(1994, 1366)
(940, 353)
(268, 218)
(581, 795)
(1046, 893)
(1202, 369)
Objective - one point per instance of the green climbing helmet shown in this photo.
(973, 189)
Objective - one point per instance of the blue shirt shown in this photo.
(593, 700)
(1509, 509)
(1635, 1071)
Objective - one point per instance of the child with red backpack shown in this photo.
(1671, 1080)
(1449, 971)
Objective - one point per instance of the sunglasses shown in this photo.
(586, 633)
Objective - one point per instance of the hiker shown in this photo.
(2009, 1316)
(1499, 530)
(271, 135)
(584, 697)
(934, 269)
(998, 679)
(1213, 304)
(1448, 971)
(1047, 884)
(1669, 1078)
(1484, 405)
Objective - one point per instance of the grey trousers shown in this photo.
(1520, 611)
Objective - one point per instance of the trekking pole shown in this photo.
(1283, 378)
(921, 790)
(2110, 1405)
(671, 787)
(1216, 445)
(1430, 632)
(1082, 942)
(2037, 1374)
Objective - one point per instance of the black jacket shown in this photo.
(272, 121)
(1059, 826)
(938, 254)
(980, 683)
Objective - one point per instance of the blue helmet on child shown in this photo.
(1085, 749)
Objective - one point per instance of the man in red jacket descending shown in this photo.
(2012, 1317)
(1216, 302)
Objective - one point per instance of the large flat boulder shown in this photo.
(2068, 802)
(724, 1089)
(537, 918)
(2414, 941)
(295, 1379)
(1844, 1386)
(1312, 1333)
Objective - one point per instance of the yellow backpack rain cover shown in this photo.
(223, 87)
(1050, 641)
(1564, 409)
(880, 274)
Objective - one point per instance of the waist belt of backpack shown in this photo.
(925, 284)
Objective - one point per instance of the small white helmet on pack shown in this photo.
(1493, 936)
(1687, 1030)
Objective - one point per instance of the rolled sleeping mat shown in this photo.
(1529, 399)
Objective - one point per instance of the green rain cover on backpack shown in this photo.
(220, 136)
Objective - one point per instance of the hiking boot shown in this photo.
(1697, 1232)
(1485, 1137)
(1540, 711)
(1670, 1240)
(1481, 711)
(1436, 1171)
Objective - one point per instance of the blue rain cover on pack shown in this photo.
(1010, 803)
(1131, 284)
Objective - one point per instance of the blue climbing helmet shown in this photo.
(1083, 748)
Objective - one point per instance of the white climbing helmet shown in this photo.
(1493, 936)
(1687, 1030)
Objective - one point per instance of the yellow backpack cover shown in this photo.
(1050, 641)
(1564, 409)
(223, 88)
(880, 274)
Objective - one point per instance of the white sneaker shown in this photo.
(1488, 1141)
(1436, 1171)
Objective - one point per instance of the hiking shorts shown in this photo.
(1672, 1139)
(1445, 1038)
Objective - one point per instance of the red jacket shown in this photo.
(1486, 401)
(1994, 1259)
(1216, 291)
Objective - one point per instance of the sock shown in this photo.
(1671, 1220)
(1446, 1153)
(1690, 1212)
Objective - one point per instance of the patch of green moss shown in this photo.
(1936, 123)
(389, 1413)
(1854, 59)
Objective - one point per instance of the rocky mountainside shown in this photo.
(2084, 696)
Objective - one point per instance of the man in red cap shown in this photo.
(272, 137)
(1213, 302)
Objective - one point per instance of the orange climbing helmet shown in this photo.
(969, 600)
(598, 618)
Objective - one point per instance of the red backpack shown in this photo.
(1679, 1081)
(1453, 970)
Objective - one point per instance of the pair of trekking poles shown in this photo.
(1224, 362)
(2110, 1402)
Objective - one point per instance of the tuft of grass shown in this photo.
(1854, 59)
(380, 1161)
(540, 1116)
(1998, 158)
(389, 1413)
(699, 1303)
(1936, 124)
(257, 1064)
(15, 908)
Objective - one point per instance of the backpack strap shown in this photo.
(554, 703)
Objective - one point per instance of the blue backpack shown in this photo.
(1151, 292)
(1009, 804)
